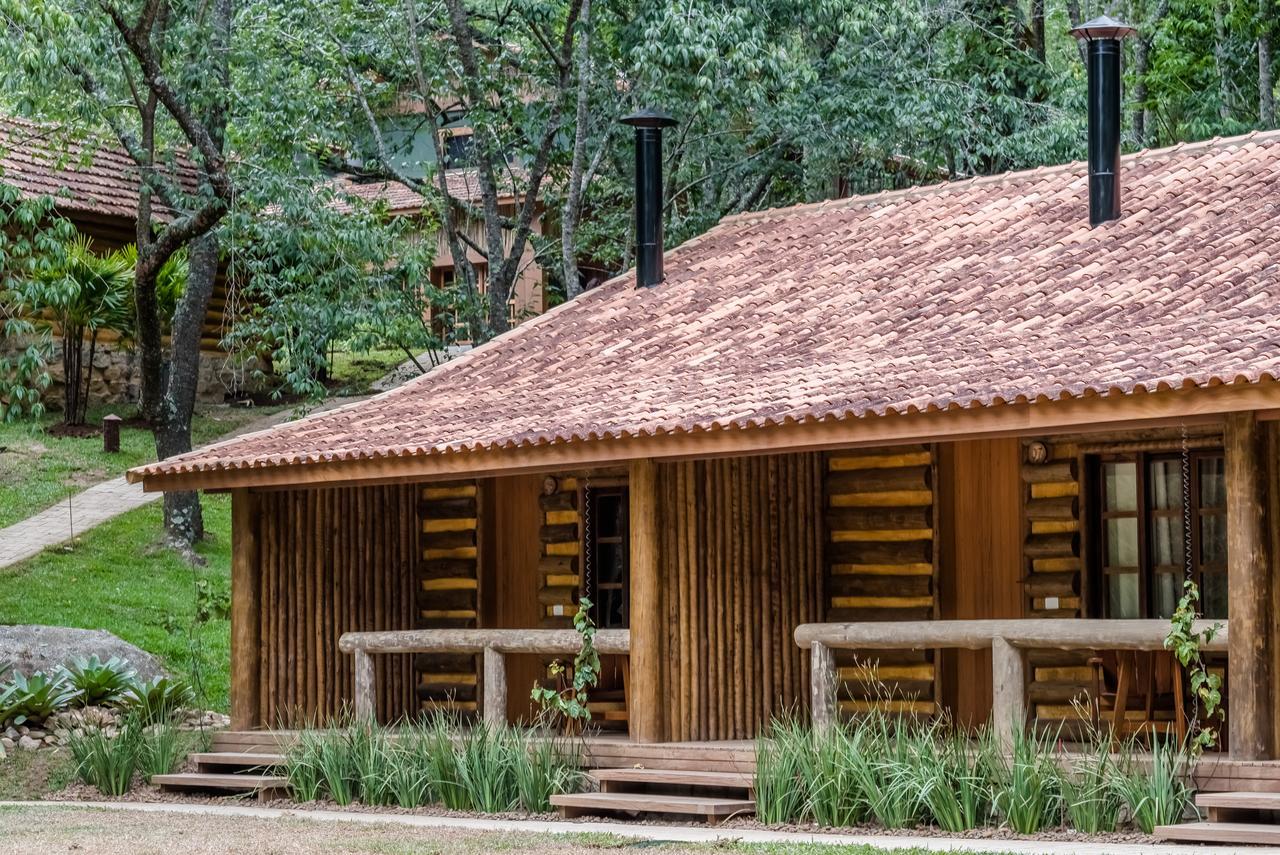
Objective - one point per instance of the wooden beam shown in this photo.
(644, 716)
(1248, 592)
(822, 693)
(245, 648)
(1092, 413)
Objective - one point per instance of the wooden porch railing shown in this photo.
(494, 644)
(1008, 641)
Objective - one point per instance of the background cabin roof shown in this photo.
(965, 294)
(81, 176)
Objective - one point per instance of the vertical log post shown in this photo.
(1008, 690)
(822, 680)
(363, 684)
(1248, 592)
(245, 647)
(495, 687)
(645, 719)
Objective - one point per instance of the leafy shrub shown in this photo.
(156, 700)
(1160, 796)
(105, 761)
(408, 776)
(162, 748)
(35, 698)
(335, 762)
(99, 682)
(542, 768)
(485, 769)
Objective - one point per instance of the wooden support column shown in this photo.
(646, 702)
(364, 684)
(1248, 592)
(822, 695)
(1008, 690)
(245, 648)
(495, 687)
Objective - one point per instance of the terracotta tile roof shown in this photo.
(463, 184)
(970, 293)
(37, 160)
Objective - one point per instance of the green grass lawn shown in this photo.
(355, 372)
(38, 470)
(120, 579)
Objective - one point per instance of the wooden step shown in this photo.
(711, 808)
(237, 759)
(265, 786)
(1239, 800)
(614, 780)
(1220, 832)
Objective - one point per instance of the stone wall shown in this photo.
(115, 376)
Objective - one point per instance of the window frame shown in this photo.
(1095, 516)
(589, 494)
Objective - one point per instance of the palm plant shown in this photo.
(87, 294)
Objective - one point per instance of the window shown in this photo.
(1141, 533)
(606, 577)
(459, 150)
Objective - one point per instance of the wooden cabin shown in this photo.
(955, 405)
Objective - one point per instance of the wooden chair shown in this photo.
(1152, 678)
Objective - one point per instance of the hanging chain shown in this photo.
(587, 580)
(1189, 565)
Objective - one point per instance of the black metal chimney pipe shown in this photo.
(1102, 37)
(648, 124)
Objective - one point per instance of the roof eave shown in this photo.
(1087, 414)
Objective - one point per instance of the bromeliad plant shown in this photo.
(99, 682)
(568, 701)
(35, 698)
(156, 700)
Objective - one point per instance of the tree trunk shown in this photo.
(1266, 85)
(1220, 60)
(183, 520)
(573, 199)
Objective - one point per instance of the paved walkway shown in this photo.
(672, 833)
(101, 502)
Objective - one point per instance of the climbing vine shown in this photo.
(568, 700)
(1186, 644)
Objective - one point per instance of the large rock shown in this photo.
(29, 648)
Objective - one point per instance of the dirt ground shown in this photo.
(90, 831)
(45, 831)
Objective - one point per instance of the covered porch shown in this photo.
(709, 565)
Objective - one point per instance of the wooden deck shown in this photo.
(601, 751)
(615, 751)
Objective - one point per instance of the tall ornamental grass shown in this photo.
(481, 768)
(903, 772)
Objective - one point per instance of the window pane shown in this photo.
(608, 518)
(1213, 595)
(1122, 542)
(1122, 595)
(610, 563)
(609, 612)
(1213, 482)
(1166, 484)
(1213, 539)
(1121, 481)
(1166, 592)
(1167, 543)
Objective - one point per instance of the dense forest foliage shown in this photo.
(777, 102)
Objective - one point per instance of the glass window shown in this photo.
(1149, 526)
(606, 548)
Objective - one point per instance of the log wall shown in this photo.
(561, 539)
(882, 565)
(741, 561)
(332, 561)
(448, 593)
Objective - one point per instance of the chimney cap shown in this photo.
(1102, 27)
(647, 117)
